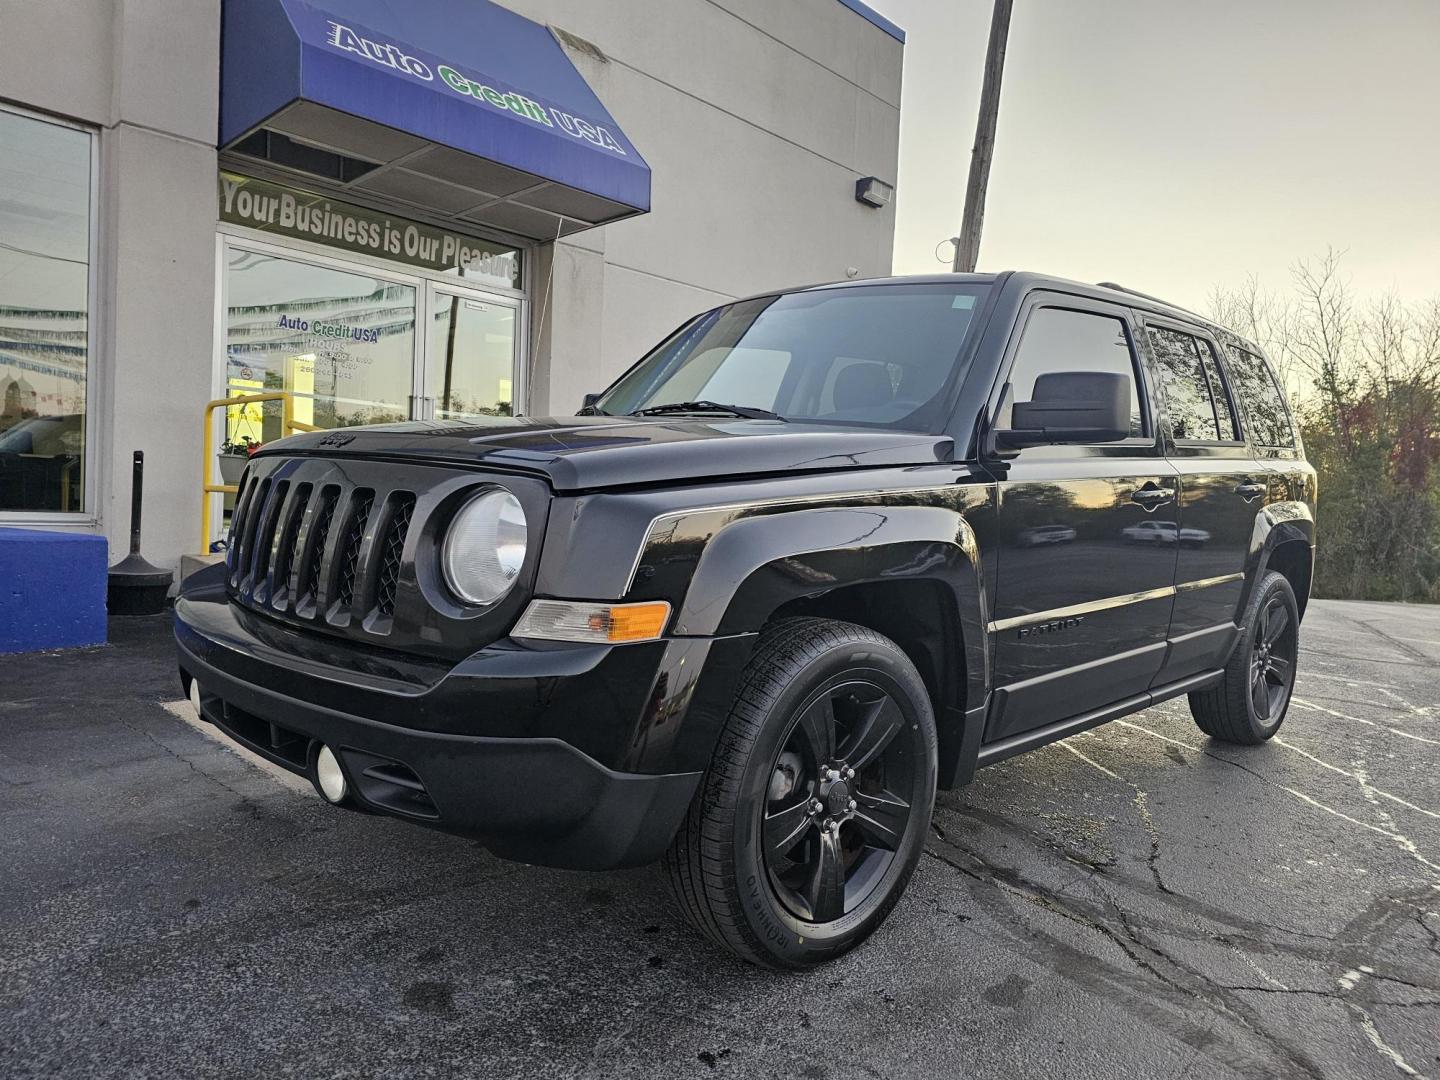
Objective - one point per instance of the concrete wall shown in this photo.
(756, 118)
(143, 74)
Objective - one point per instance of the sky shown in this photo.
(1176, 146)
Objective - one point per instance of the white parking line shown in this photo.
(1360, 720)
(1359, 778)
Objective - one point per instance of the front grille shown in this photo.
(346, 546)
(361, 504)
(265, 541)
(312, 548)
(393, 546)
(290, 553)
(244, 527)
(282, 558)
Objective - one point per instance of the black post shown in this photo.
(136, 586)
(137, 484)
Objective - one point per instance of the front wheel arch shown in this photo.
(920, 616)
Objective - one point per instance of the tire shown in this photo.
(1236, 710)
(755, 866)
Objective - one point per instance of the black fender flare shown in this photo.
(1277, 523)
(753, 566)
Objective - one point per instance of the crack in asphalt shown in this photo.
(1403, 842)
(246, 802)
(1141, 802)
(1407, 649)
(1129, 942)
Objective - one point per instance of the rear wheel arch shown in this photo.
(1283, 541)
(1294, 558)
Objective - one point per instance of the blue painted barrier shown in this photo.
(52, 590)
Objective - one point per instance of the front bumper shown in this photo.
(474, 749)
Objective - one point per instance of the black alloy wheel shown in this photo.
(1272, 661)
(841, 796)
(1250, 700)
(809, 822)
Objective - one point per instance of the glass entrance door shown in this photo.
(341, 341)
(471, 354)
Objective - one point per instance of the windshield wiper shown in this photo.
(744, 411)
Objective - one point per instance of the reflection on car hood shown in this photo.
(586, 452)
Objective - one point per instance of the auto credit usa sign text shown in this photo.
(387, 54)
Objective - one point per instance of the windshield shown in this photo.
(881, 355)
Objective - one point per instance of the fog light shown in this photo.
(328, 775)
(195, 697)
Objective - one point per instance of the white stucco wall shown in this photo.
(756, 119)
(143, 75)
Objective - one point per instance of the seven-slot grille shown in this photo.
(307, 543)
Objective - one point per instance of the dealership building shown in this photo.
(393, 210)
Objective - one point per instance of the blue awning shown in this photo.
(459, 107)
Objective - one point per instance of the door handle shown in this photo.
(1152, 497)
(1251, 490)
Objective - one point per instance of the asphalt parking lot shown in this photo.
(1137, 901)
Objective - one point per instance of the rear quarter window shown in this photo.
(1267, 418)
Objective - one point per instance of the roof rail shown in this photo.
(1147, 296)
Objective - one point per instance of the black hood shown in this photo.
(589, 452)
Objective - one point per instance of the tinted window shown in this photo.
(1224, 408)
(1060, 340)
(1194, 394)
(880, 354)
(1260, 397)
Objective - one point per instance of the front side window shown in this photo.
(45, 173)
(881, 355)
(1057, 340)
(1194, 392)
(1259, 393)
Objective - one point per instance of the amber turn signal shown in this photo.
(570, 620)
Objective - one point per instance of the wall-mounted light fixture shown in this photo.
(872, 191)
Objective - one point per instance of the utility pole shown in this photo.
(967, 247)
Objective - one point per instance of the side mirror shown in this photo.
(1070, 407)
(587, 406)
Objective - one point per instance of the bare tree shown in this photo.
(1267, 320)
(1366, 376)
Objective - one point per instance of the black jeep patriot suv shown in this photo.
(770, 589)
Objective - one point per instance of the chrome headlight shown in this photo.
(485, 547)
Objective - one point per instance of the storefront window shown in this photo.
(342, 343)
(351, 338)
(45, 182)
(471, 358)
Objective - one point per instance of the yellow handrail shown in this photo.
(288, 426)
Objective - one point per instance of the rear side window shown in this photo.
(1194, 391)
(1224, 407)
(1060, 340)
(1265, 414)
